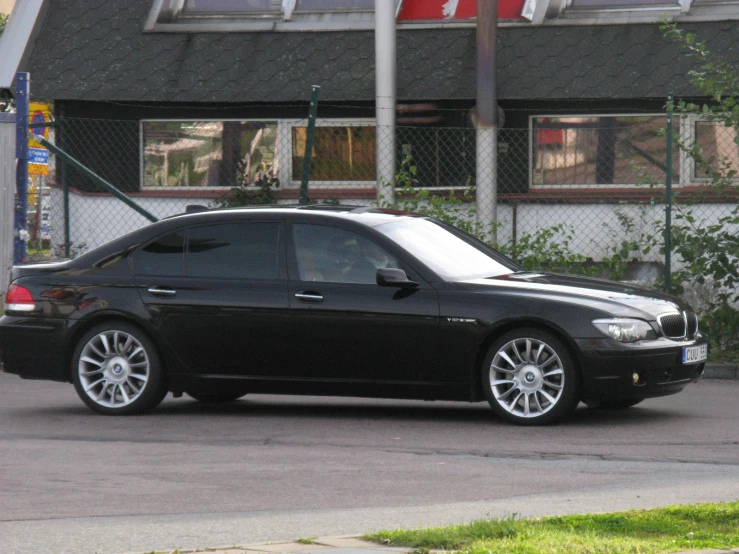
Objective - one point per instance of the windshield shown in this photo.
(450, 256)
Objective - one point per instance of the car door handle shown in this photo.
(162, 292)
(309, 296)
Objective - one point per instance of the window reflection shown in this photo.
(718, 147)
(233, 6)
(604, 150)
(335, 5)
(339, 153)
(209, 153)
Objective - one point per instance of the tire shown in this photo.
(116, 370)
(529, 377)
(617, 404)
(215, 397)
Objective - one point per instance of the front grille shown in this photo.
(692, 324)
(673, 325)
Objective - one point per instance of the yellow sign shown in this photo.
(39, 161)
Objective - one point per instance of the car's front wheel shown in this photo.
(116, 370)
(529, 377)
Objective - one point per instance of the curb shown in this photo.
(343, 544)
(721, 371)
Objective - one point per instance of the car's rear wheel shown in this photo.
(529, 377)
(116, 370)
(215, 397)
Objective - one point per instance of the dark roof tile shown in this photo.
(102, 53)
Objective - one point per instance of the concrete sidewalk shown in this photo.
(346, 544)
(721, 371)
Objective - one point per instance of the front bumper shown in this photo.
(608, 368)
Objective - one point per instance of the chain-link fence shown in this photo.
(582, 194)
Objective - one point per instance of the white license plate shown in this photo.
(695, 354)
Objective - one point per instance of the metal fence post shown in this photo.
(308, 159)
(668, 198)
(22, 90)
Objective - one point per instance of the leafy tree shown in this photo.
(3, 20)
(710, 249)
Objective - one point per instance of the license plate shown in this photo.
(695, 354)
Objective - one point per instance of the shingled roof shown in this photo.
(102, 53)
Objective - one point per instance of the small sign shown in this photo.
(38, 156)
(39, 113)
(38, 161)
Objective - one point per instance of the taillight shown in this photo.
(19, 299)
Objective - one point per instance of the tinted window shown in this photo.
(234, 251)
(450, 256)
(334, 255)
(164, 256)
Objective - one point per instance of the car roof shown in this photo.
(367, 215)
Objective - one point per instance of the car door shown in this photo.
(218, 294)
(348, 328)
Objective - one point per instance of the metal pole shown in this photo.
(22, 94)
(95, 177)
(487, 120)
(385, 98)
(311, 133)
(64, 176)
(668, 199)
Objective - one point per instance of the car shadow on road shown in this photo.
(289, 407)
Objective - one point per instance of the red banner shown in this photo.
(454, 10)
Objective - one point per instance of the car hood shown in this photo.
(620, 299)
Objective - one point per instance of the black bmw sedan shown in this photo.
(338, 301)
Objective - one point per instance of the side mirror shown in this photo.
(390, 277)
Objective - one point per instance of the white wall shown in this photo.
(95, 220)
(7, 200)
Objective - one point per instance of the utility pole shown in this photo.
(487, 117)
(385, 98)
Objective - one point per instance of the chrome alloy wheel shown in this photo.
(113, 369)
(526, 377)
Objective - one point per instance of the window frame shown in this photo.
(591, 186)
(561, 12)
(689, 134)
(287, 126)
(168, 16)
(142, 154)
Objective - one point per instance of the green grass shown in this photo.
(662, 530)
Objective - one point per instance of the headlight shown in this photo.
(625, 330)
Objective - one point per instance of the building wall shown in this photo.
(6, 6)
(7, 197)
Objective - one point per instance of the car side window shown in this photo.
(329, 254)
(234, 251)
(164, 256)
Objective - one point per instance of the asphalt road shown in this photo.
(270, 468)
